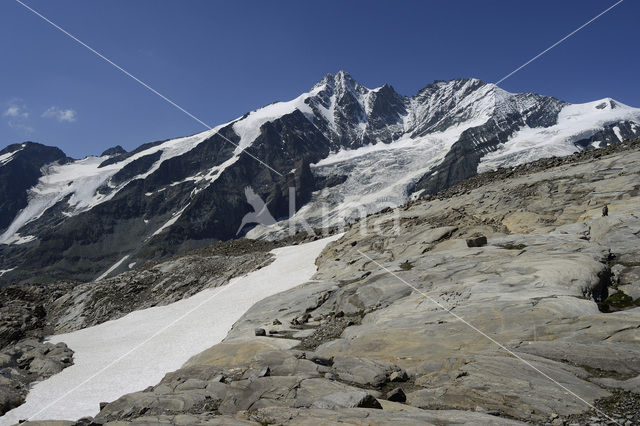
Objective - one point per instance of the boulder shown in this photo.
(477, 241)
(363, 371)
(398, 376)
(353, 399)
(397, 395)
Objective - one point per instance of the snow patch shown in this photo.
(4, 271)
(416, 195)
(17, 239)
(113, 268)
(616, 130)
(170, 222)
(7, 157)
(136, 351)
(329, 113)
(248, 129)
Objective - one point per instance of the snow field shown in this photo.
(136, 351)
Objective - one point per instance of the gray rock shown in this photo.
(479, 241)
(303, 333)
(362, 370)
(354, 399)
(398, 376)
(631, 385)
(397, 395)
(191, 384)
(46, 367)
(25, 362)
(368, 416)
(599, 356)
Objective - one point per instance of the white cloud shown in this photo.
(17, 116)
(16, 111)
(62, 115)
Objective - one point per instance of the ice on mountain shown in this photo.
(4, 271)
(616, 130)
(7, 157)
(575, 122)
(112, 268)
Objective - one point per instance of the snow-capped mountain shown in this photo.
(346, 149)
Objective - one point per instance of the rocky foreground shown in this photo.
(416, 319)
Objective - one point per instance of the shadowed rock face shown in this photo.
(170, 196)
(20, 174)
(116, 150)
(609, 135)
(539, 287)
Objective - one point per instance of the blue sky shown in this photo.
(221, 59)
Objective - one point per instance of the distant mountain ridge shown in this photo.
(346, 149)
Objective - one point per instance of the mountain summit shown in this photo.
(346, 149)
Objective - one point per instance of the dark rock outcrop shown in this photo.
(20, 174)
(116, 150)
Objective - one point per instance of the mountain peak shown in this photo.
(116, 150)
(343, 75)
(340, 79)
(340, 75)
(30, 146)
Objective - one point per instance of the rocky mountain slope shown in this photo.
(20, 169)
(345, 149)
(417, 318)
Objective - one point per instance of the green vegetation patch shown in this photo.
(620, 301)
(406, 265)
